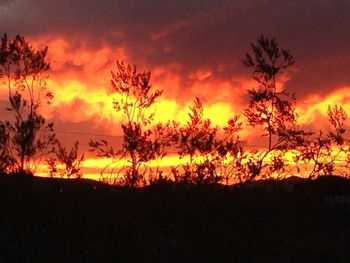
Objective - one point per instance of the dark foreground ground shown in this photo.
(52, 220)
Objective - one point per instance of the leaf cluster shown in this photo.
(268, 60)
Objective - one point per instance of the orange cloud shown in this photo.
(80, 81)
(315, 106)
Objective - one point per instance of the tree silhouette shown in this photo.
(23, 72)
(269, 108)
(134, 98)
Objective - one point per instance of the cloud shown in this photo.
(193, 48)
(210, 36)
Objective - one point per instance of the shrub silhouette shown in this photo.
(209, 155)
(66, 164)
(197, 140)
(319, 152)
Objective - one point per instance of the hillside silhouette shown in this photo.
(59, 220)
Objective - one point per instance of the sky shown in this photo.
(193, 48)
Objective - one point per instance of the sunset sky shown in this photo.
(193, 48)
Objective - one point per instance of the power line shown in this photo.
(119, 136)
(89, 134)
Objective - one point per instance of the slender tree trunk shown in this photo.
(22, 163)
(133, 176)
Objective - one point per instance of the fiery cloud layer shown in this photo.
(193, 48)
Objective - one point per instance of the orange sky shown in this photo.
(88, 95)
(193, 49)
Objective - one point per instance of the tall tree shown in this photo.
(270, 108)
(134, 98)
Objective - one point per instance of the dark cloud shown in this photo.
(200, 34)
